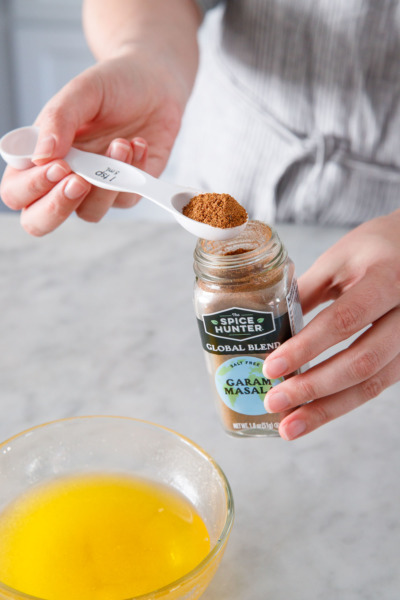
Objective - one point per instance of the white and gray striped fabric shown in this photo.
(296, 109)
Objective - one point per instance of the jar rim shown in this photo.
(258, 243)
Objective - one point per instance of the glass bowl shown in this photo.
(125, 446)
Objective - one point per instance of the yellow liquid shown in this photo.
(99, 537)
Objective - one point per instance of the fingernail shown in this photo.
(275, 367)
(56, 172)
(44, 148)
(138, 151)
(75, 189)
(276, 402)
(119, 151)
(293, 429)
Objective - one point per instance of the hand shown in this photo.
(128, 108)
(361, 274)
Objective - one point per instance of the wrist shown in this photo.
(161, 35)
(135, 68)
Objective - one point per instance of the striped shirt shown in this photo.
(296, 109)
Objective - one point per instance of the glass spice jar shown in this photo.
(247, 304)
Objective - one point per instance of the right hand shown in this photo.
(128, 108)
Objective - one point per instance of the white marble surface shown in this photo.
(98, 319)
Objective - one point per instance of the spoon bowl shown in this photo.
(17, 148)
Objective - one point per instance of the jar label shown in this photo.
(240, 331)
(242, 386)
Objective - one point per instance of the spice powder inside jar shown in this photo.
(247, 304)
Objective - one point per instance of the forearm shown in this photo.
(167, 29)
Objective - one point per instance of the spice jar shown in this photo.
(247, 304)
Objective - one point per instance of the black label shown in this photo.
(240, 330)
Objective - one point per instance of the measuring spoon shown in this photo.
(17, 148)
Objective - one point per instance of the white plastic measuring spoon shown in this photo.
(17, 147)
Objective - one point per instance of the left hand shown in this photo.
(127, 107)
(361, 274)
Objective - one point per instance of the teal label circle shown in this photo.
(242, 386)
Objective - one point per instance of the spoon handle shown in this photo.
(111, 174)
(18, 146)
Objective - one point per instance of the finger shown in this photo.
(330, 275)
(309, 417)
(376, 294)
(49, 212)
(21, 188)
(140, 151)
(75, 104)
(314, 288)
(378, 346)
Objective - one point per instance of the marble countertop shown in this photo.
(98, 319)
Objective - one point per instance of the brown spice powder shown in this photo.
(243, 278)
(235, 252)
(218, 210)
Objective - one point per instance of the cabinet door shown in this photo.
(7, 120)
(6, 99)
(46, 58)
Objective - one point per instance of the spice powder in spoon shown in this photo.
(218, 210)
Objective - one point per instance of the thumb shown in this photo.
(332, 273)
(315, 285)
(74, 105)
(311, 290)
